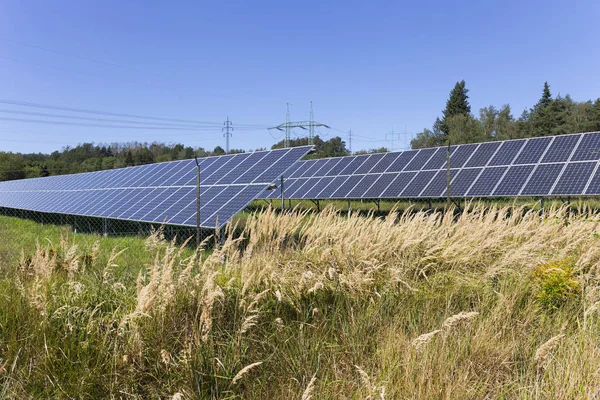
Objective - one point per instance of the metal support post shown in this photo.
(105, 227)
(197, 207)
(282, 194)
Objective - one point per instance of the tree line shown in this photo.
(549, 116)
(88, 157)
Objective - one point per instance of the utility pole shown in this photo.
(198, 207)
(228, 128)
(393, 135)
(311, 126)
(350, 141)
(288, 125)
(448, 174)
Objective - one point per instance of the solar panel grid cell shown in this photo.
(348, 185)
(507, 152)
(380, 185)
(463, 181)
(384, 162)
(369, 163)
(589, 148)
(542, 180)
(362, 186)
(561, 148)
(482, 156)
(418, 184)
(513, 180)
(533, 151)
(574, 178)
(330, 189)
(402, 161)
(439, 159)
(419, 161)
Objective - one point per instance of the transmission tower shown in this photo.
(350, 141)
(310, 124)
(227, 129)
(392, 136)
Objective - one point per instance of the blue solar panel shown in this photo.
(240, 167)
(328, 165)
(418, 184)
(398, 185)
(513, 180)
(561, 148)
(420, 159)
(384, 163)
(402, 161)
(353, 165)
(369, 163)
(533, 150)
(507, 152)
(380, 185)
(365, 183)
(347, 186)
(482, 155)
(333, 186)
(574, 178)
(462, 153)
(156, 192)
(463, 181)
(439, 159)
(437, 185)
(542, 180)
(589, 148)
(313, 193)
(594, 184)
(290, 187)
(339, 166)
(307, 185)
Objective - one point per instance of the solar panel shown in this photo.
(513, 180)
(163, 192)
(533, 150)
(420, 159)
(542, 179)
(589, 148)
(574, 178)
(507, 152)
(463, 181)
(483, 154)
(522, 167)
(398, 185)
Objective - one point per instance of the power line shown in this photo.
(89, 111)
(123, 121)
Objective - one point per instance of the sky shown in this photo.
(372, 67)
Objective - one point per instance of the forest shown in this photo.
(551, 115)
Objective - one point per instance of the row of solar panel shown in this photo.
(576, 147)
(174, 206)
(245, 168)
(157, 192)
(578, 178)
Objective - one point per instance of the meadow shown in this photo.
(486, 302)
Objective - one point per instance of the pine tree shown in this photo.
(546, 99)
(457, 104)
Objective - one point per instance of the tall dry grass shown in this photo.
(301, 305)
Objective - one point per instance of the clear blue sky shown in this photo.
(367, 66)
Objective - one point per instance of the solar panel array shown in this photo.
(163, 192)
(545, 166)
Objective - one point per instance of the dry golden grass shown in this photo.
(413, 305)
